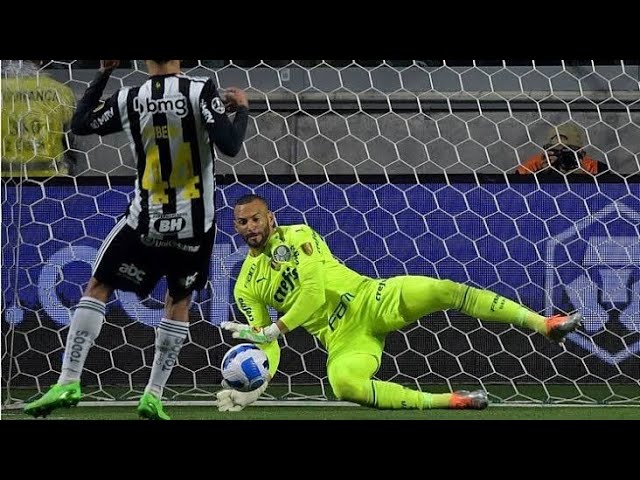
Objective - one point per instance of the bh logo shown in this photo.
(594, 267)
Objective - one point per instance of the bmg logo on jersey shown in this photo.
(176, 104)
(132, 272)
(597, 271)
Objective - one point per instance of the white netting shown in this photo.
(406, 168)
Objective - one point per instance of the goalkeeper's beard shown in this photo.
(258, 241)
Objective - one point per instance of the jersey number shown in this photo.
(181, 178)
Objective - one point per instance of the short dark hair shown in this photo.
(250, 197)
(161, 62)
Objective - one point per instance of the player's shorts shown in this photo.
(373, 313)
(133, 263)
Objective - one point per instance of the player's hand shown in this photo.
(109, 66)
(230, 400)
(235, 97)
(226, 401)
(245, 332)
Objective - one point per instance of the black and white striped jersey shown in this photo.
(172, 122)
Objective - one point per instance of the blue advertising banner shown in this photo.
(554, 247)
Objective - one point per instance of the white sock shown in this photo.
(85, 327)
(169, 337)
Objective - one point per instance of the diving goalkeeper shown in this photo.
(291, 269)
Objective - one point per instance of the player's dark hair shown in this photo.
(250, 197)
(161, 62)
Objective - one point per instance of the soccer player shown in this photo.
(291, 269)
(173, 122)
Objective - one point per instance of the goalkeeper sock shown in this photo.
(85, 327)
(169, 337)
(436, 400)
(393, 396)
(490, 306)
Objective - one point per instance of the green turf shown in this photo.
(534, 393)
(344, 413)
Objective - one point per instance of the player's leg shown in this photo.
(356, 350)
(188, 271)
(109, 272)
(350, 376)
(170, 335)
(84, 328)
(421, 296)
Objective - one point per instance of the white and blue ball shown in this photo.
(245, 367)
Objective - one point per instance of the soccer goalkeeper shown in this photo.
(291, 269)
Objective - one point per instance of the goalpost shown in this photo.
(405, 167)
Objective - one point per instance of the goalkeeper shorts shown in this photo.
(369, 319)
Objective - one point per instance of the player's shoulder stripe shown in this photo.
(194, 79)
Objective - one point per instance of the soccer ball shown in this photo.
(245, 367)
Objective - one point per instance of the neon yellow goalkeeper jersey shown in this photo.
(297, 275)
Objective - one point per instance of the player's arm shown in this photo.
(309, 264)
(90, 116)
(226, 135)
(258, 318)
(256, 313)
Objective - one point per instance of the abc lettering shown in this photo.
(79, 339)
(286, 285)
(132, 271)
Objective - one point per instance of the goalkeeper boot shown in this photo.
(463, 399)
(559, 326)
(58, 396)
(150, 407)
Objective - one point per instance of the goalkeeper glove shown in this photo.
(252, 334)
(230, 400)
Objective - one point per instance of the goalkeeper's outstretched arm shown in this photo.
(257, 315)
(312, 292)
(312, 296)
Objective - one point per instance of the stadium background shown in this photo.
(402, 168)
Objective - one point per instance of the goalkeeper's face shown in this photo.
(254, 223)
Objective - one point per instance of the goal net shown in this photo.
(405, 167)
